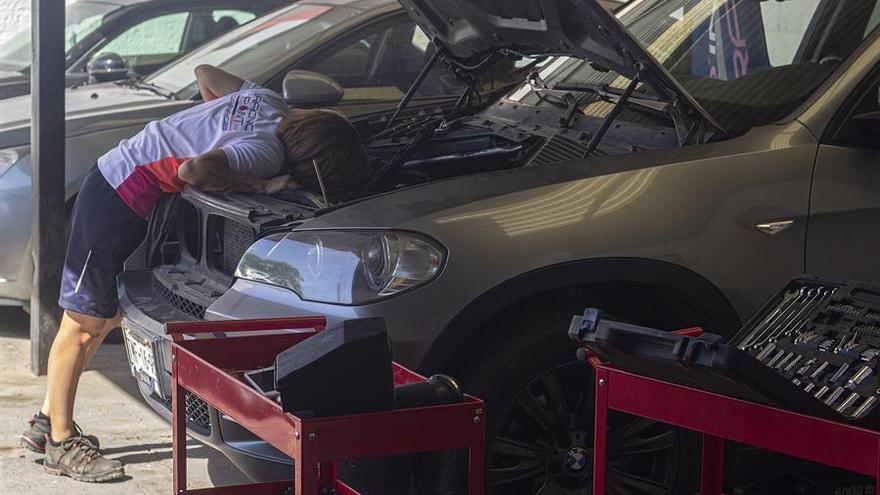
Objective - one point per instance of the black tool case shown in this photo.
(813, 349)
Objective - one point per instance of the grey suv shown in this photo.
(675, 166)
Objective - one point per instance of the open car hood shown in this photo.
(469, 31)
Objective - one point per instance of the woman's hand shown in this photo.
(215, 83)
(281, 183)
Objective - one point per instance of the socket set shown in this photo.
(814, 348)
(823, 337)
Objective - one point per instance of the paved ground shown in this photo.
(108, 406)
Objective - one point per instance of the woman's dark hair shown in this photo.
(332, 140)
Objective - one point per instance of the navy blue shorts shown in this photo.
(104, 232)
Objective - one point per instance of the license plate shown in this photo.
(141, 359)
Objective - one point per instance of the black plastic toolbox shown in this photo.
(813, 349)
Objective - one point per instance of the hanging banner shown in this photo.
(732, 42)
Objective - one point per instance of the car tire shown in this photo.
(539, 433)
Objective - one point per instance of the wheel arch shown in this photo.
(667, 281)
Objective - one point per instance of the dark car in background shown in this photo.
(675, 166)
(146, 34)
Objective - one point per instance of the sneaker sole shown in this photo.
(113, 474)
(31, 445)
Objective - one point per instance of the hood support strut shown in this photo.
(609, 119)
(415, 86)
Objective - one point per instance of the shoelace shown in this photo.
(87, 448)
(78, 431)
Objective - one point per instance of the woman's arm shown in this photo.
(210, 172)
(215, 83)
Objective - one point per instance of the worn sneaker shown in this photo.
(81, 460)
(34, 438)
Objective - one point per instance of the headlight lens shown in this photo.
(343, 267)
(8, 158)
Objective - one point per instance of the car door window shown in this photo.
(151, 43)
(858, 124)
(381, 62)
(239, 16)
(222, 21)
(75, 31)
(207, 24)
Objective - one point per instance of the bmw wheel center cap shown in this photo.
(576, 459)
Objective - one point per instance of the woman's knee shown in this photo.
(89, 327)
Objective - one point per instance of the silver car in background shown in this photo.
(145, 34)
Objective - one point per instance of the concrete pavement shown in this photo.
(108, 406)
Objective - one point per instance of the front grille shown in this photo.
(197, 412)
(237, 238)
(559, 148)
(198, 417)
(193, 309)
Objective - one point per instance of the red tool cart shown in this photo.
(212, 369)
(721, 418)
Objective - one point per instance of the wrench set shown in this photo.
(814, 348)
(825, 339)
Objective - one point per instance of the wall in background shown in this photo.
(15, 15)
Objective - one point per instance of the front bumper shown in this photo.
(145, 311)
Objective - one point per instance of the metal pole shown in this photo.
(47, 158)
(414, 86)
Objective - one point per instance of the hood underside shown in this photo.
(470, 31)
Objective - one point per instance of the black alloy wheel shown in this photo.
(542, 442)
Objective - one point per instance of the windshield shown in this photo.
(251, 50)
(747, 62)
(82, 18)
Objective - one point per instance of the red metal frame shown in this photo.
(211, 368)
(721, 418)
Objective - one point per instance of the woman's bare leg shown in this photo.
(77, 340)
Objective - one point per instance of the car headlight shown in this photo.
(8, 158)
(343, 267)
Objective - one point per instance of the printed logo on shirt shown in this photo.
(242, 112)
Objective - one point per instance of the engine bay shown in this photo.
(504, 135)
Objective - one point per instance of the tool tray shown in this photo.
(213, 368)
(812, 349)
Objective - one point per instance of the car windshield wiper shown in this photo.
(628, 98)
(137, 84)
(562, 95)
(623, 99)
(559, 97)
(562, 99)
(638, 99)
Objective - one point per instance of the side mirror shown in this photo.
(304, 88)
(106, 67)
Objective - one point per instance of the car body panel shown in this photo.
(88, 109)
(846, 199)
